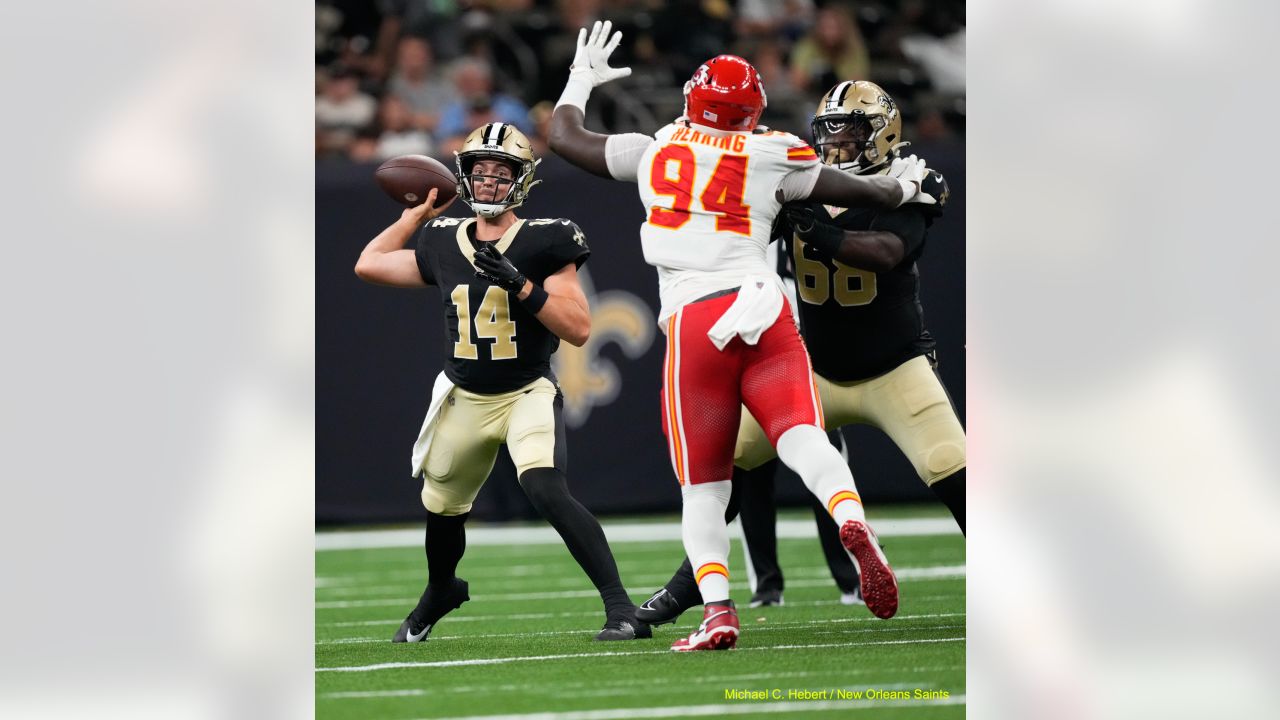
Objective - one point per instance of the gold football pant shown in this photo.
(908, 403)
(469, 431)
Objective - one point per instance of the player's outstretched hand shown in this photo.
(823, 237)
(493, 266)
(592, 59)
(912, 169)
(427, 210)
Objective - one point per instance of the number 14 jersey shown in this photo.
(711, 197)
(493, 344)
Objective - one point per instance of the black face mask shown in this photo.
(848, 133)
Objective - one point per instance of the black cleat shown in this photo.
(661, 609)
(433, 605)
(408, 633)
(766, 598)
(625, 627)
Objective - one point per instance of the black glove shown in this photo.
(826, 239)
(491, 265)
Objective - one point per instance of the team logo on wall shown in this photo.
(587, 379)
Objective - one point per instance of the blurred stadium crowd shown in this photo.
(395, 77)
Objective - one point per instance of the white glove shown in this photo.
(590, 66)
(593, 54)
(911, 172)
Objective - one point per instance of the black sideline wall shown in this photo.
(378, 352)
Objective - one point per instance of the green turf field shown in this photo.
(522, 645)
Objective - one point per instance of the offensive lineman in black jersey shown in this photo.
(511, 293)
(862, 321)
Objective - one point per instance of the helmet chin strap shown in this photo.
(489, 210)
(495, 208)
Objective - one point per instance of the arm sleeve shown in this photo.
(907, 223)
(622, 154)
(799, 183)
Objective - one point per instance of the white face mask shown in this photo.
(508, 196)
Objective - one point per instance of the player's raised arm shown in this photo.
(569, 137)
(900, 186)
(385, 261)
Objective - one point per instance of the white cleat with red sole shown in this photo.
(878, 583)
(718, 631)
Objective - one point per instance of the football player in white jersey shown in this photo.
(712, 186)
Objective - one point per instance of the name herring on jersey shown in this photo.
(857, 323)
(492, 343)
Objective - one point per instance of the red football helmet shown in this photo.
(725, 93)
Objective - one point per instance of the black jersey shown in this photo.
(858, 323)
(492, 343)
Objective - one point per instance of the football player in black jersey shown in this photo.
(511, 293)
(862, 321)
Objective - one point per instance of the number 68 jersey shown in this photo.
(711, 197)
(492, 343)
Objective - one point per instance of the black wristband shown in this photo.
(537, 298)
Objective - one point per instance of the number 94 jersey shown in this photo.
(492, 343)
(711, 200)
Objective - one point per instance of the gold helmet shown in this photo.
(505, 143)
(857, 127)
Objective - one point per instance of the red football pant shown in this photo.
(704, 389)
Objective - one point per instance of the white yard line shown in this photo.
(539, 658)
(469, 618)
(586, 613)
(742, 708)
(754, 627)
(937, 572)
(616, 533)
(638, 572)
(796, 577)
(774, 627)
(373, 694)
(627, 684)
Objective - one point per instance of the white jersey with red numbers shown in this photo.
(710, 197)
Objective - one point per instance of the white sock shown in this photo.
(806, 450)
(706, 537)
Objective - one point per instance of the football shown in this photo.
(408, 179)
